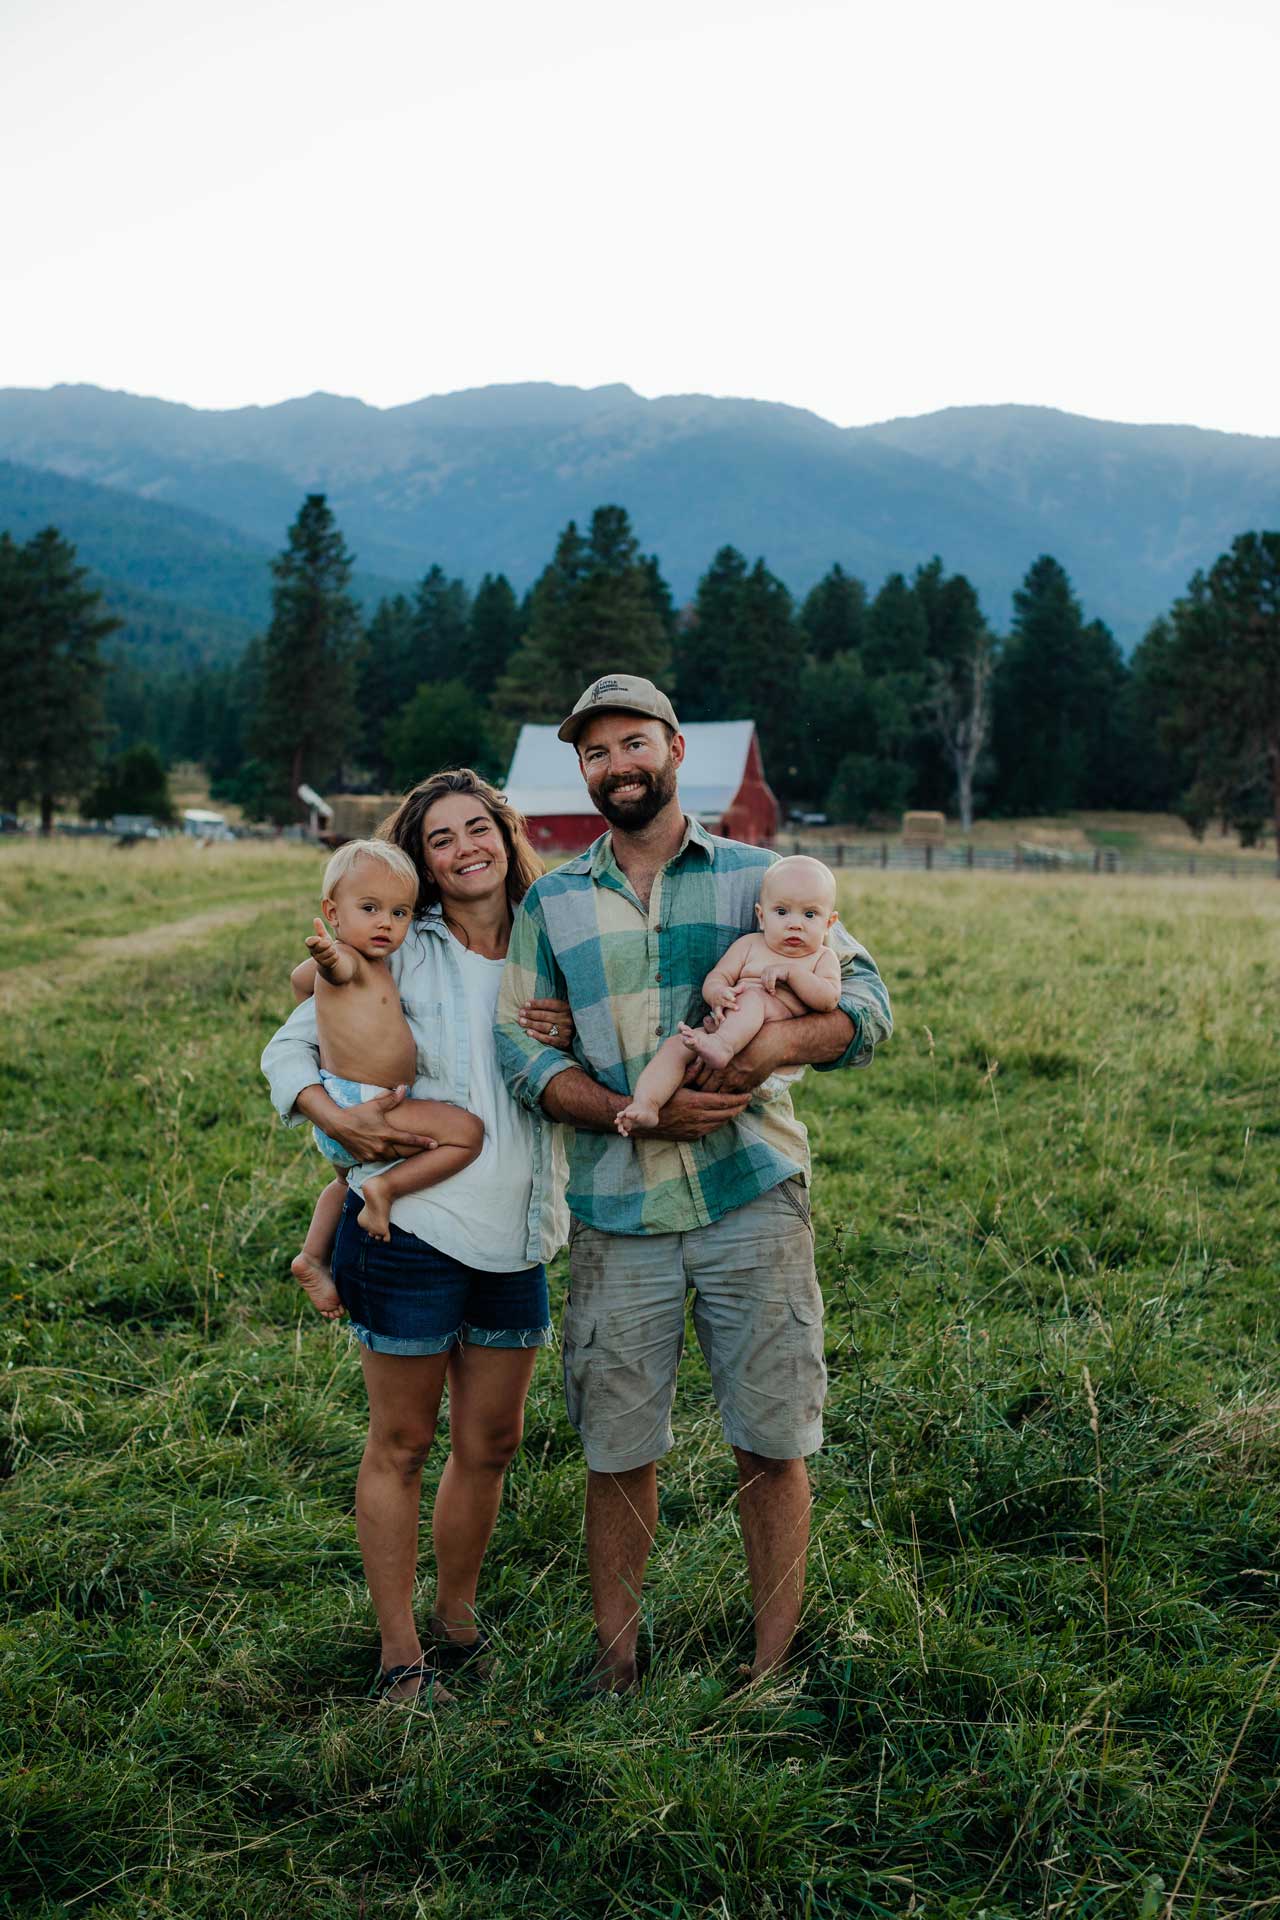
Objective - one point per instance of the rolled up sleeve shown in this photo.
(531, 973)
(864, 998)
(291, 1061)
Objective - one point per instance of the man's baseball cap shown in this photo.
(624, 690)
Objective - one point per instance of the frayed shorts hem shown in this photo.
(628, 1462)
(463, 1336)
(791, 1446)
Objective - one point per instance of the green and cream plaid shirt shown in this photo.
(631, 976)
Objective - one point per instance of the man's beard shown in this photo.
(659, 788)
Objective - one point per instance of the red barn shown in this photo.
(722, 784)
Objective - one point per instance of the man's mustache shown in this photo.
(616, 781)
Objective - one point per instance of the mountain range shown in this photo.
(178, 511)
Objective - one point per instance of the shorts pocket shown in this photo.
(577, 1340)
(796, 1195)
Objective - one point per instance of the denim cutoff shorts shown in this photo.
(405, 1296)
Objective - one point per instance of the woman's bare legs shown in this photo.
(404, 1401)
(487, 1388)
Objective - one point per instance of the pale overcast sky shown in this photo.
(872, 208)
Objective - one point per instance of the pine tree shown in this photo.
(51, 625)
(306, 719)
(493, 634)
(441, 617)
(741, 657)
(383, 680)
(1223, 675)
(834, 615)
(1058, 690)
(960, 664)
(897, 633)
(594, 610)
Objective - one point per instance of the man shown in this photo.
(714, 1197)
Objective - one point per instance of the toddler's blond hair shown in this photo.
(381, 850)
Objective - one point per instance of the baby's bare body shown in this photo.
(777, 974)
(360, 1025)
(363, 1036)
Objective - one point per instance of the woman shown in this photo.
(459, 1292)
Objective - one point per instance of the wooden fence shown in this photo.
(1026, 858)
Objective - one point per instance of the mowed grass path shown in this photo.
(1043, 1595)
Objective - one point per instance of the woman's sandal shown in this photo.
(451, 1656)
(425, 1669)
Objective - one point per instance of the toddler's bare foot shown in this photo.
(638, 1114)
(710, 1048)
(316, 1281)
(375, 1215)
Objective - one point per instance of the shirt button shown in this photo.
(657, 979)
(658, 1031)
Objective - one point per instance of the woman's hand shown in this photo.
(548, 1021)
(369, 1130)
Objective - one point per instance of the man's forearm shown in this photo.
(576, 1100)
(809, 1039)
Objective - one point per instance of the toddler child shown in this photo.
(783, 970)
(366, 1048)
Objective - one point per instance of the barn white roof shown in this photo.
(544, 776)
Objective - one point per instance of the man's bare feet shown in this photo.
(316, 1281)
(375, 1215)
(638, 1114)
(710, 1048)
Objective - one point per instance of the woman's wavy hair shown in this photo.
(404, 829)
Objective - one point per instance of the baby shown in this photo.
(784, 970)
(366, 1048)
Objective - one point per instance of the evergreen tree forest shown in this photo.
(869, 697)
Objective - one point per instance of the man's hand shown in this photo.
(368, 1131)
(690, 1115)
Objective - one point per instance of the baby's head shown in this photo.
(797, 905)
(370, 892)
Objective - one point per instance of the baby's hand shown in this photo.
(720, 999)
(323, 948)
(771, 978)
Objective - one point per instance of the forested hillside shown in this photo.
(482, 481)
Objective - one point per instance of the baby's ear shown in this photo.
(759, 914)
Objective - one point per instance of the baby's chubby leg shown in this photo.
(310, 1268)
(659, 1080)
(737, 1030)
(459, 1137)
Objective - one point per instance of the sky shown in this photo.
(874, 208)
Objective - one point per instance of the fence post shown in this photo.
(1191, 864)
(968, 855)
(884, 853)
(1097, 860)
(840, 854)
(1017, 855)
(928, 859)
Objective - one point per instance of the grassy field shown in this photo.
(1038, 1671)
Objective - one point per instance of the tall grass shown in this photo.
(1036, 1673)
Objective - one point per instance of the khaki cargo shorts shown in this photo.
(757, 1312)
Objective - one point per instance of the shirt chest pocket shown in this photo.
(430, 1029)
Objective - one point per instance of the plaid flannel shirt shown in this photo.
(631, 976)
